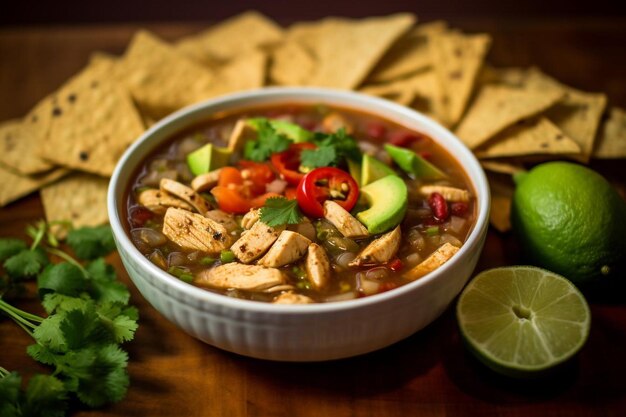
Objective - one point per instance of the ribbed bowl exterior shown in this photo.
(308, 332)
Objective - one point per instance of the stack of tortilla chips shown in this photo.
(508, 117)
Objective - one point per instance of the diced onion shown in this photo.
(277, 186)
(177, 259)
(343, 259)
(150, 237)
(456, 224)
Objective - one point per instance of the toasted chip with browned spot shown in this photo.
(16, 185)
(612, 139)
(18, 141)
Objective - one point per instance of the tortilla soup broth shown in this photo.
(339, 256)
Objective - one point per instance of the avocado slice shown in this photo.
(387, 199)
(355, 171)
(291, 130)
(207, 158)
(373, 169)
(414, 164)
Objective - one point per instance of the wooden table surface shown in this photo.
(428, 374)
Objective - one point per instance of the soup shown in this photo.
(299, 204)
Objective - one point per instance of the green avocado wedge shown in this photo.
(355, 170)
(291, 130)
(414, 164)
(207, 158)
(372, 169)
(387, 199)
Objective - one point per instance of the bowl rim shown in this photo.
(468, 163)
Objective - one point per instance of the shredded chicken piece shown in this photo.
(195, 232)
(434, 261)
(240, 134)
(332, 122)
(317, 266)
(288, 248)
(204, 182)
(451, 194)
(241, 277)
(185, 193)
(255, 242)
(292, 298)
(347, 224)
(158, 201)
(250, 218)
(380, 250)
(223, 218)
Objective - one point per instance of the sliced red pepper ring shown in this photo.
(323, 184)
(287, 162)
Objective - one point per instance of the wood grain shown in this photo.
(428, 374)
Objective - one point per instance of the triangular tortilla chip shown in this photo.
(346, 50)
(497, 107)
(78, 198)
(612, 140)
(292, 64)
(243, 73)
(579, 113)
(229, 39)
(511, 76)
(93, 121)
(408, 55)
(161, 79)
(15, 185)
(502, 189)
(501, 167)
(530, 137)
(18, 144)
(457, 59)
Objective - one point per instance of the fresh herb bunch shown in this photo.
(269, 141)
(88, 319)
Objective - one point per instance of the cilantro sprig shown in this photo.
(269, 141)
(278, 211)
(332, 150)
(88, 320)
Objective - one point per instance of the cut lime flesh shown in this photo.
(523, 320)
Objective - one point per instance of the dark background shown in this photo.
(22, 12)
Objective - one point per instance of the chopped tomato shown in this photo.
(396, 265)
(260, 200)
(288, 162)
(323, 184)
(228, 176)
(291, 193)
(259, 174)
(231, 200)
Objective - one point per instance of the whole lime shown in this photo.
(570, 220)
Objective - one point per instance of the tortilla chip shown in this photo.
(497, 107)
(15, 185)
(612, 140)
(94, 120)
(502, 189)
(529, 137)
(229, 39)
(346, 50)
(79, 198)
(243, 73)
(18, 142)
(457, 59)
(419, 91)
(292, 64)
(511, 76)
(579, 113)
(502, 167)
(161, 79)
(408, 55)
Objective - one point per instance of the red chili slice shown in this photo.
(323, 184)
(288, 162)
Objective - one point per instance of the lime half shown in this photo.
(521, 320)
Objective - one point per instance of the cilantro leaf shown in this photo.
(9, 390)
(269, 141)
(42, 354)
(279, 210)
(56, 303)
(104, 286)
(45, 396)
(10, 247)
(48, 334)
(26, 264)
(63, 278)
(96, 374)
(323, 156)
(91, 242)
(344, 144)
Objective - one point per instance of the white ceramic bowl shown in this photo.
(298, 332)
